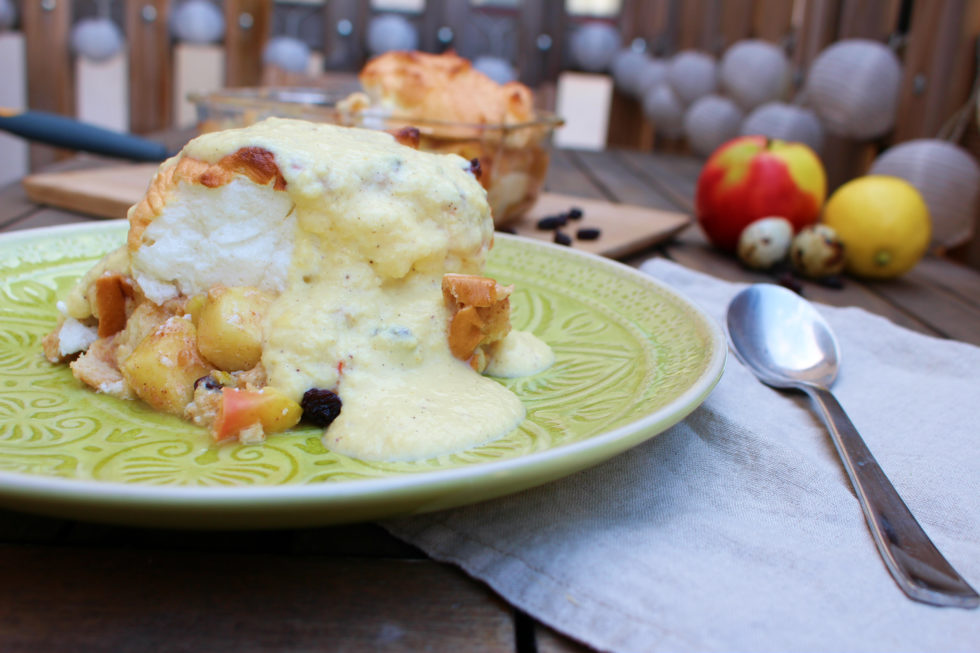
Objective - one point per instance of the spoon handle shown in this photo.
(913, 560)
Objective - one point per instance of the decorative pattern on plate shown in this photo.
(624, 349)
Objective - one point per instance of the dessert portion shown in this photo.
(293, 271)
(459, 110)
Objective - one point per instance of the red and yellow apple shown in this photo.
(754, 177)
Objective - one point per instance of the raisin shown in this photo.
(475, 168)
(588, 233)
(209, 383)
(321, 407)
(552, 222)
(575, 213)
(562, 238)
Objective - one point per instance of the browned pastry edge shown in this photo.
(256, 163)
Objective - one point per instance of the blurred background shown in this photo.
(851, 78)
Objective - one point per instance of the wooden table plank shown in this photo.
(44, 218)
(113, 599)
(958, 280)
(621, 182)
(564, 176)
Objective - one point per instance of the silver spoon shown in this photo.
(784, 341)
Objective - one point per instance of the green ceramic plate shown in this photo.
(633, 358)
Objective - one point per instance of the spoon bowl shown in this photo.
(784, 340)
(786, 343)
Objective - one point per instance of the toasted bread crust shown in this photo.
(480, 315)
(111, 291)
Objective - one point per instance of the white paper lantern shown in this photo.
(389, 32)
(753, 72)
(98, 39)
(8, 14)
(787, 122)
(653, 73)
(287, 52)
(497, 69)
(198, 21)
(853, 86)
(626, 67)
(662, 108)
(948, 178)
(594, 45)
(711, 121)
(692, 75)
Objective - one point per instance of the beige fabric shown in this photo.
(737, 529)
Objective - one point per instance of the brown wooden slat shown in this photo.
(549, 640)
(672, 180)
(620, 182)
(247, 28)
(565, 177)
(14, 205)
(939, 66)
(817, 30)
(868, 19)
(45, 218)
(933, 306)
(735, 22)
(772, 20)
(50, 73)
(73, 599)
(150, 65)
(691, 250)
(958, 280)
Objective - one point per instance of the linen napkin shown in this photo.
(737, 529)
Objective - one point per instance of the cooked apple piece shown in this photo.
(243, 409)
(229, 327)
(163, 367)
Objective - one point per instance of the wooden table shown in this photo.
(78, 586)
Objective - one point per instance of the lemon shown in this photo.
(883, 222)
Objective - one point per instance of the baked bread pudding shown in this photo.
(293, 272)
(459, 110)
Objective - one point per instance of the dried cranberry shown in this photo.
(321, 407)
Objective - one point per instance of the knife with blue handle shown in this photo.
(62, 131)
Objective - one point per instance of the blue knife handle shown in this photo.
(61, 131)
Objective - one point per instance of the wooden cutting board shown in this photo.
(624, 229)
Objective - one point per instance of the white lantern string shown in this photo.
(711, 121)
(753, 72)
(388, 32)
(98, 39)
(692, 75)
(853, 85)
(593, 46)
(947, 176)
(664, 110)
(198, 21)
(288, 51)
(8, 14)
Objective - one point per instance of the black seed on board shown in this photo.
(552, 222)
(588, 233)
(562, 238)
